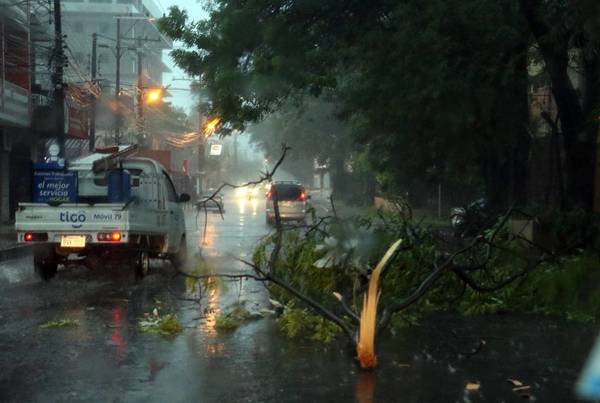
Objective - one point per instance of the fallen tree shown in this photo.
(329, 267)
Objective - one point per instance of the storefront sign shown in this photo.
(215, 149)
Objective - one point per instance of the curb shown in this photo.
(15, 252)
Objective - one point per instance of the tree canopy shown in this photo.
(431, 91)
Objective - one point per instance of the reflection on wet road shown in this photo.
(106, 358)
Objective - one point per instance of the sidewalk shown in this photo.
(9, 248)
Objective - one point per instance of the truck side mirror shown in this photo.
(184, 198)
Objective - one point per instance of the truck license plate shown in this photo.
(72, 241)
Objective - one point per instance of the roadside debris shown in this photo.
(165, 325)
(235, 318)
(59, 323)
(365, 345)
(520, 388)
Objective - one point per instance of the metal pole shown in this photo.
(235, 154)
(57, 80)
(439, 200)
(140, 95)
(118, 86)
(597, 175)
(201, 148)
(92, 137)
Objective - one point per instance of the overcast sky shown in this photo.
(179, 88)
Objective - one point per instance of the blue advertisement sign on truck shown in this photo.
(51, 186)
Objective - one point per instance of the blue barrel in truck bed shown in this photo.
(119, 186)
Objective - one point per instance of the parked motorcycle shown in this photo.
(470, 220)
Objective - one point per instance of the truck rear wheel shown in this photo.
(45, 263)
(141, 263)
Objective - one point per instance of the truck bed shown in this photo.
(77, 218)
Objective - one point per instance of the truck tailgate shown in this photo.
(80, 218)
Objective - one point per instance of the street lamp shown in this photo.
(118, 71)
(211, 126)
(154, 95)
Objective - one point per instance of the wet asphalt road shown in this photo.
(107, 359)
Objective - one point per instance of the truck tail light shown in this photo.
(302, 196)
(35, 236)
(114, 236)
(269, 195)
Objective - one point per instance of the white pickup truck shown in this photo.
(147, 222)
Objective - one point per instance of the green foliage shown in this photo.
(226, 323)
(165, 325)
(60, 323)
(403, 320)
(232, 320)
(427, 91)
(577, 228)
(338, 259)
(259, 256)
(296, 267)
(571, 286)
(567, 287)
(300, 323)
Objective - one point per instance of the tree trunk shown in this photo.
(578, 126)
(507, 144)
(338, 175)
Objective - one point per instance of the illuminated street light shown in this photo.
(153, 95)
(211, 126)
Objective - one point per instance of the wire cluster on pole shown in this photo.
(57, 80)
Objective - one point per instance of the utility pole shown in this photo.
(92, 136)
(201, 148)
(140, 95)
(118, 86)
(597, 176)
(57, 80)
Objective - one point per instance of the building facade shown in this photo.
(18, 144)
(139, 41)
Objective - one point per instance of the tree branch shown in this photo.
(319, 308)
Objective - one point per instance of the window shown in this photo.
(171, 193)
(288, 192)
(100, 1)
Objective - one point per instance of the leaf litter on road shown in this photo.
(165, 325)
(60, 323)
(515, 382)
(235, 318)
(520, 388)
